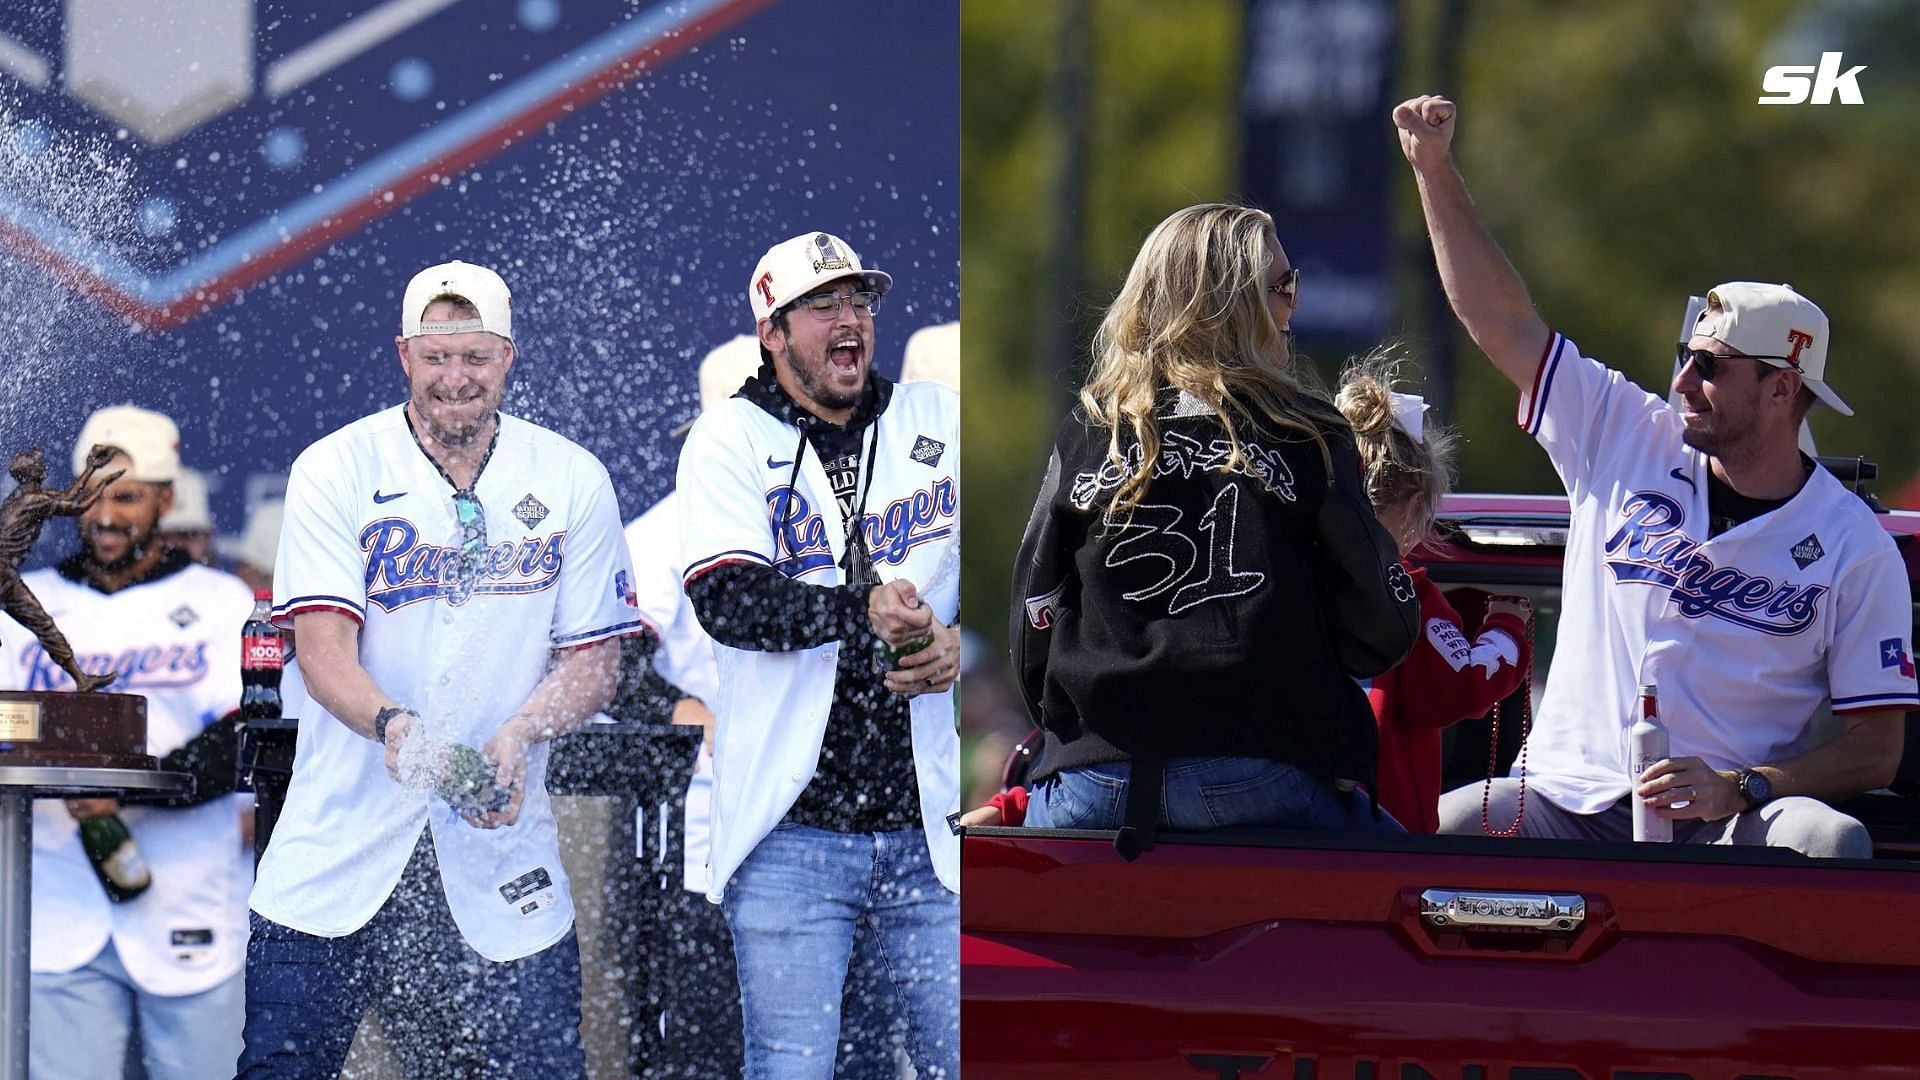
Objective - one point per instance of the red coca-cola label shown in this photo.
(263, 653)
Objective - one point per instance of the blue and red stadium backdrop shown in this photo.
(210, 207)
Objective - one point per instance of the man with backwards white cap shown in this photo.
(453, 574)
(1707, 556)
(169, 629)
(820, 521)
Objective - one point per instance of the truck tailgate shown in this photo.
(1310, 956)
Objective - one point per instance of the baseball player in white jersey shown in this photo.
(169, 628)
(834, 773)
(1707, 556)
(451, 573)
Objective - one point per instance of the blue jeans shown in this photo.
(447, 1011)
(81, 1020)
(1203, 793)
(793, 907)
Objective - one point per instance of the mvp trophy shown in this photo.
(53, 743)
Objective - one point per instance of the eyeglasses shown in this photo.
(1288, 287)
(473, 544)
(827, 305)
(1708, 363)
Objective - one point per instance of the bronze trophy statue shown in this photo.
(21, 516)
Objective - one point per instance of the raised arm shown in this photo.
(1486, 293)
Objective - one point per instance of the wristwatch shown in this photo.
(1753, 787)
(384, 716)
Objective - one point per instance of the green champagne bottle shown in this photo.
(469, 780)
(115, 857)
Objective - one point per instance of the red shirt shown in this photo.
(1441, 682)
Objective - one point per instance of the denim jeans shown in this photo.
(1204, 793)
(793, 907)
(446, 1010)
(81, 1020)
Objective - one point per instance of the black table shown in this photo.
(19, 786)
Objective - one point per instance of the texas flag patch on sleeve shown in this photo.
(1893, 653)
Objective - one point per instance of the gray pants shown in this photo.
(1806, 825)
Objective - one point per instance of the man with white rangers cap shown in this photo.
(1707, 556)
(453, 574)
(169, 629)
(820, 522)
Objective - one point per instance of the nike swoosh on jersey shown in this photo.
(379, 498)
(772, 464)
(1680, 476)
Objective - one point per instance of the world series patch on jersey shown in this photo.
(1747, 633)
(458, 619)
(737, 505)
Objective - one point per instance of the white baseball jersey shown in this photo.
(771, 715)
(371, 532)
(176, 641)
(1745, 634)
(684, 658)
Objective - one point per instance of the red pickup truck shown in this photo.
(1293, 955)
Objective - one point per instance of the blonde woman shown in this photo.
(1203, 579)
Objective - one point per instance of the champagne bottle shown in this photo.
(115, 857)
(468, 783)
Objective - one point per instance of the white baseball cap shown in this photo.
(477, 285)
(151, 440)
(1775, 325)
(260, 543)
(190, 512)
(723, 371)
(793, 268)
(933, 355)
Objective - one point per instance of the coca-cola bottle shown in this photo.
(263, 653)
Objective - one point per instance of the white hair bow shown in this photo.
(1410, 412)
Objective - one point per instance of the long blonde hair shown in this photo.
(1398, 467)
(1193, 316)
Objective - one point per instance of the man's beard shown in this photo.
(137, 544)
(460, 436)
(815, 373)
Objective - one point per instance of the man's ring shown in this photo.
(1690, 793)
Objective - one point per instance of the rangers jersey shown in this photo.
(684, 658)
(771, 714)
(371, 532)
(1746, 633)
(174, 639)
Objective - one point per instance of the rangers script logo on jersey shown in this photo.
(1650, 547)
(402, 570)
(904, 524)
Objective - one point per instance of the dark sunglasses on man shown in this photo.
(1708, 364)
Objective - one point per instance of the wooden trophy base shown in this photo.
(102, 731)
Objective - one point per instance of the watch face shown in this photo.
(1756, 787)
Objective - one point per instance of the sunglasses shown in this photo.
(1288, 287)
(1708, 364)
(473, 544)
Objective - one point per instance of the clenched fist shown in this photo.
(1426, 130)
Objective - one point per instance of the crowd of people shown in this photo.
(795, 597)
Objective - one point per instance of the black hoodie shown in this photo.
(865, 781)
